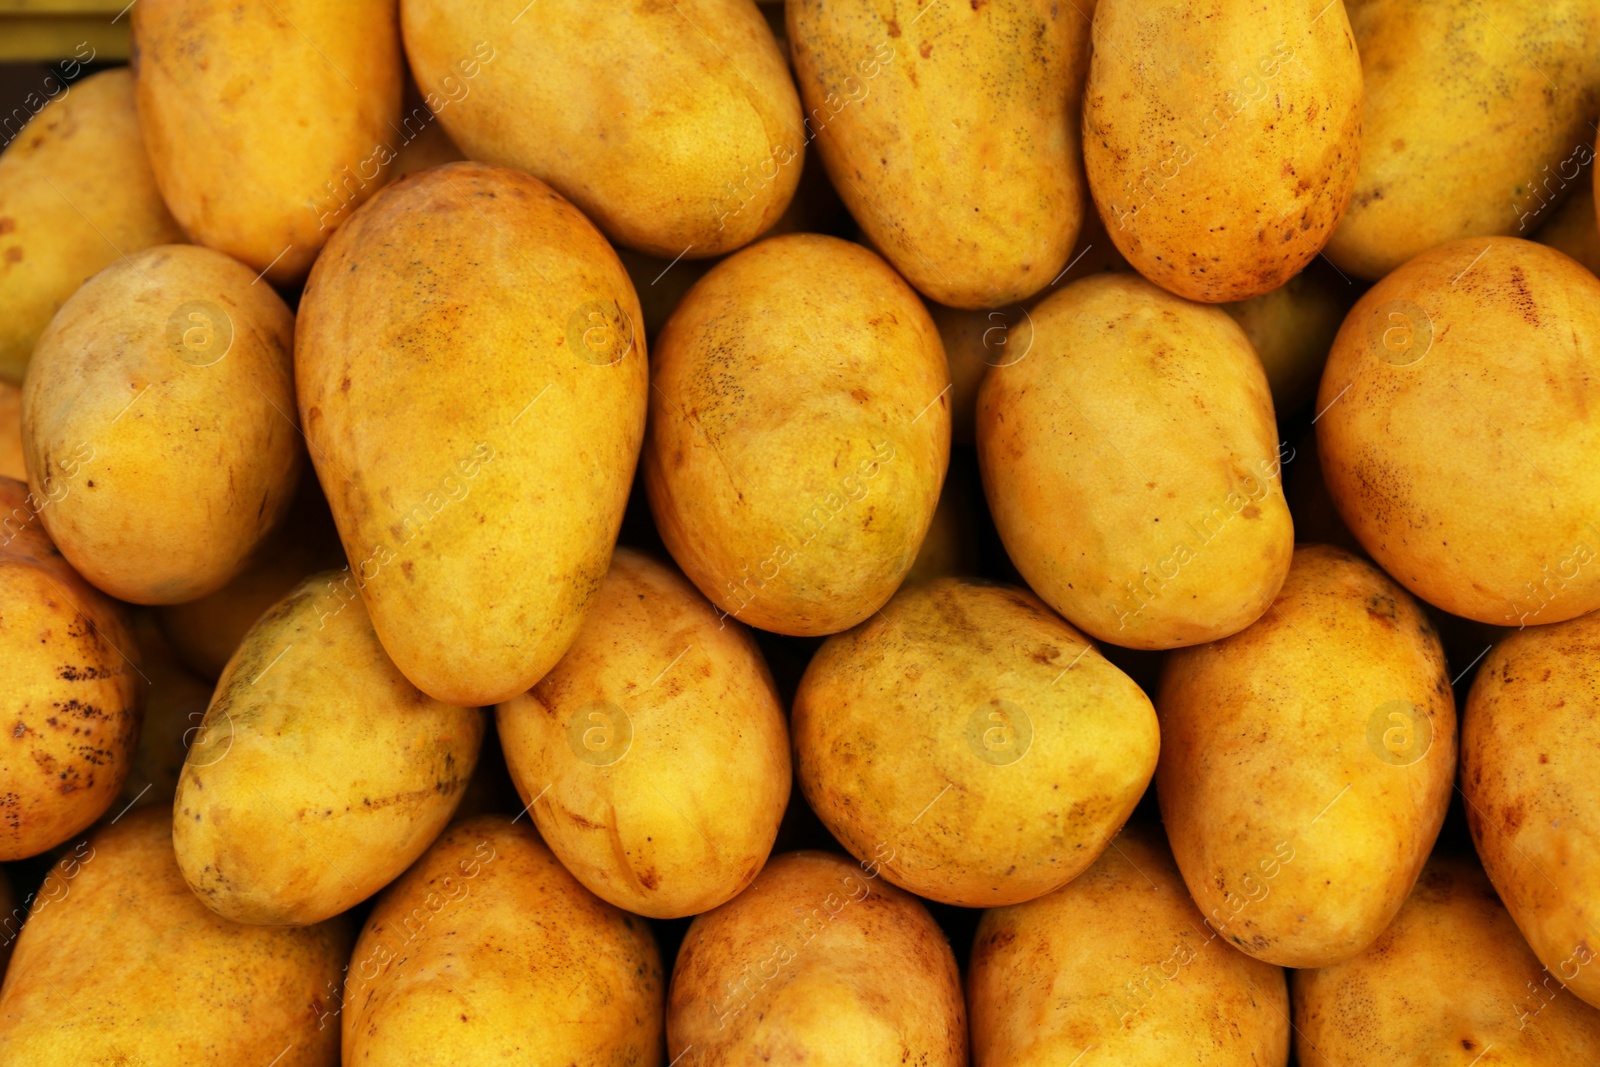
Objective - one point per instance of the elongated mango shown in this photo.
(471, 377)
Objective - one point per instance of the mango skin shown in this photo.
(658, 744)
(471, 377)
(1492, 335)
(203, 633)
(1307, 763)
(11, 462)
(1121, 963)
(163, 497)
(954, 140)
(862, 974)
(675, 127)
(800, 430)
(1292, 329)
(73, 689)
(318, 773)
(952, 547)
(248, 148)
(1463, 983)
(1221, 138)
(1475, 112)
(125, 966)
(661, 285)
(1130, 461)
(488, 950)
(76, 193)
(971, 743)
(975, 340)
(1572, 228)
(1531, 796)
(175, 702)
(431, 147)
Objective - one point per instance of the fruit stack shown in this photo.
(849, 533)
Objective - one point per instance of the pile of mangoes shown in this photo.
(1134, 466)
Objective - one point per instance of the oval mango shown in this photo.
(1221, 139)
(675, 127)
(1119, 967)
(1307, 762)
(318, 773)
(471, 378)
(952, 135)
(658, 746)
(1466, 988)
(1530, 793)
(120, 963)
(972, 744)
(800, 430)
(1458, 375)
(1476, 118)
(488, 950)
(73, 690)
(1129, 456)
(158, 415)
(817, 960)
(269, 121)
(76, 194)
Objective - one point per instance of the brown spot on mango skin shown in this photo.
(1523, 300)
